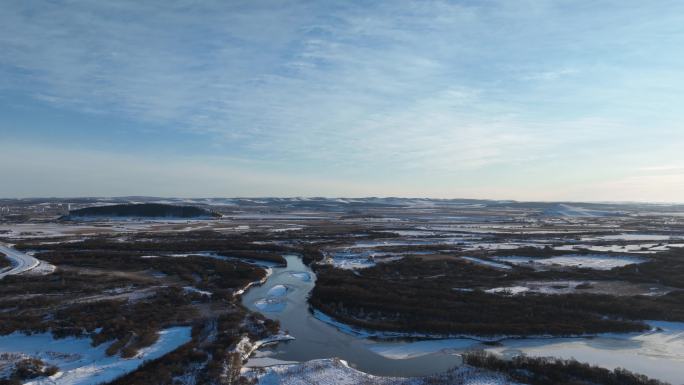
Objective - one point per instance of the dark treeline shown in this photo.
(87, 296)
(219, 276)
(56, 302)
(416, 295)
(310, 254)
(4, 261)
(199, 241)
(143, 210)
(26, 369)
(552, 371)
(214, 360)
(132, 325)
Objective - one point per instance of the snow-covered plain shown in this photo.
(590, 261)
(359, 258)
(81, 364)
(633, 248)
(596, 262)
(658, 353)
(557, 287)
(413, 349)
(337, 372)
(487, 263)
(632, 237)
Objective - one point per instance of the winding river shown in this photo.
(658, 354)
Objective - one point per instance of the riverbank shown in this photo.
(656, 352)
(334, 371)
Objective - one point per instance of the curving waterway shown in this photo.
(658, 354)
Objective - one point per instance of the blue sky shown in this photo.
(530, 100)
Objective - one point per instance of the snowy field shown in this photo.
(596, 262)
(593, 261)
(337, 372)
(358, 258)
(81, 364)
(559, 287)
(634, 248)
(658, 353)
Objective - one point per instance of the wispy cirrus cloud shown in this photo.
(405, 87)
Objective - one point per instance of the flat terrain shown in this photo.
(409, 267)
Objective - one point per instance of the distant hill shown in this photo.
(143, 210)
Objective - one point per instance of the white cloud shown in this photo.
(408, 88)
(551, 74)
(286, 80)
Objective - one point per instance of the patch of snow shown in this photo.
(396, 351)
(487, 263)
(260, 362)
(590, 261)
(634, 237)
(501, 245)
(81, 364)
(640, 248)
(657, 353)
(246, 347)
(275, 300)
(277, 291)
(271, 305)
(286, 229)
(269, 271)
(333, 371)
(192, 289)
(508, 290)
(596, 262)
(301, 275)
(43, 268)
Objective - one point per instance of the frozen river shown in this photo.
(657, 354)
(20, 262)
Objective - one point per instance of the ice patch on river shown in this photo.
(301, 275)
(401, 351)
(275, 300)
(271, 305)
(277, 291)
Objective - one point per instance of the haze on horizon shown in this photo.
(526, 100)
